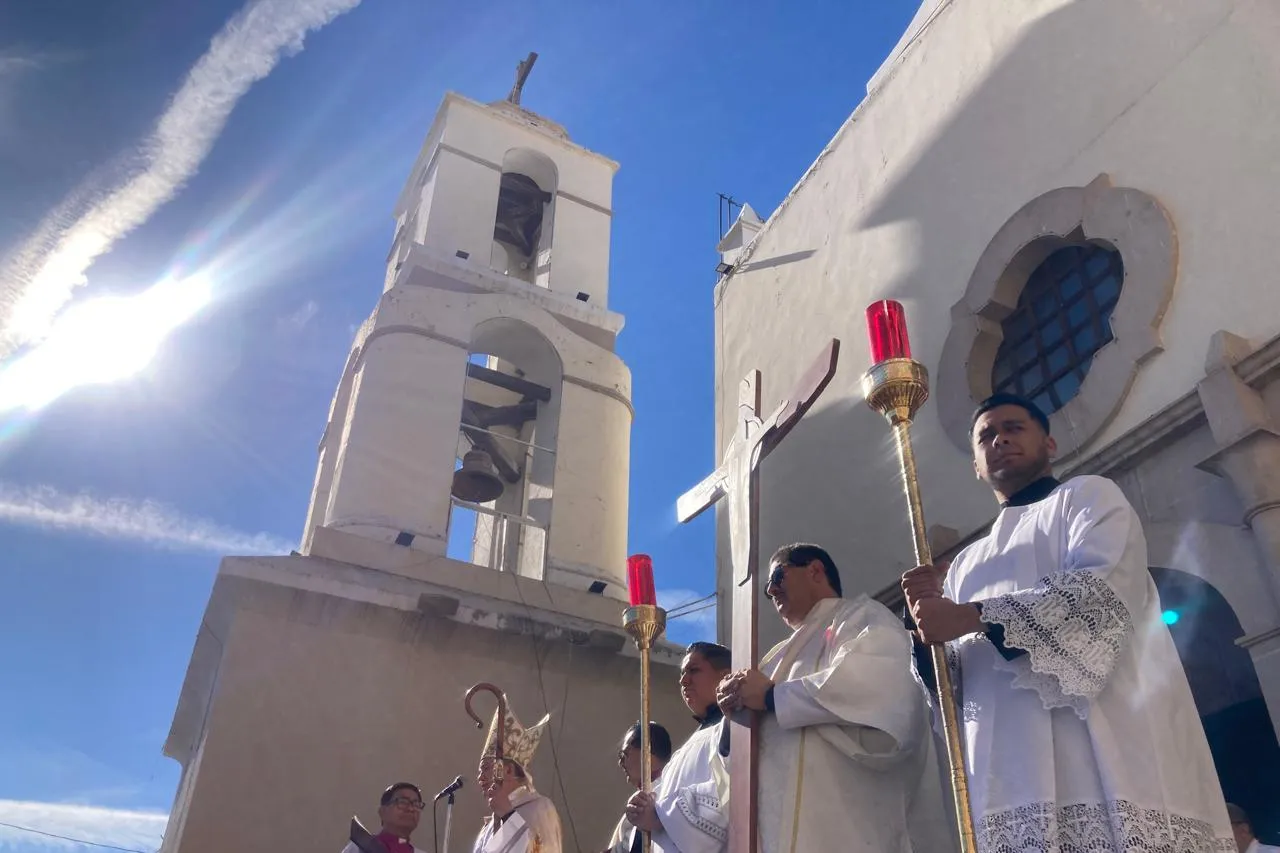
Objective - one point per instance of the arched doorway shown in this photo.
(1227, 694)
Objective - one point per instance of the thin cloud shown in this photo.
(41, 277)
(14, 61)
(138, 521)
(298, 320)
(57, 826)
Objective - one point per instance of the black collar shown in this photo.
(1033, 492)
(710, 717)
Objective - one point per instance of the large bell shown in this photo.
(477, 481)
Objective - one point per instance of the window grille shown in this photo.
(1063, 318)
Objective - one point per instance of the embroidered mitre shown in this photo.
(519, 743)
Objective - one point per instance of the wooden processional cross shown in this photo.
(738, 479)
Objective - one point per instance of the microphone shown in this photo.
(449, 789)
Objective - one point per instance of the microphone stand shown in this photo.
(448, 820)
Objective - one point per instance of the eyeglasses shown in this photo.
(405, 803)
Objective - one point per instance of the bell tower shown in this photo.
(468, 524)
(483, 413)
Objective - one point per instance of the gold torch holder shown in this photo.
(645, 623)
(897, 388)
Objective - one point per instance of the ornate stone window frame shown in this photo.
(1120, 218)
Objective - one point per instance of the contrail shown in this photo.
(41, 276)
(139, 521)
(26, 825)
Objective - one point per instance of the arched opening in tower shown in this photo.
(505, 463)
(524, 218)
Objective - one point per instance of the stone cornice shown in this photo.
(1178, 418)
(1258, 639)
(481, 278)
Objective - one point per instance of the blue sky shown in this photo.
(116, 500)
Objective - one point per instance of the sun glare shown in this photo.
(99, 341)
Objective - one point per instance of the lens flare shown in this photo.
(100, 341)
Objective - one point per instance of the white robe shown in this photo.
(1091, 740)
(847, 760)
(352, 848)
(623, 834)
(533, 828)
(688, 797)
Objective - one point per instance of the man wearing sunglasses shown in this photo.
(845, 746)
(399, 810)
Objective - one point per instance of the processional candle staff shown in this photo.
(645, 622)
(896, 386)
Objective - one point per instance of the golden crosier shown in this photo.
(897, 388)
(645, 623)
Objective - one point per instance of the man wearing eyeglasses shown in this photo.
(626, 838)
(400, 809)
(846, 756)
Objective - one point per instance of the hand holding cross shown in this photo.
(738, 479)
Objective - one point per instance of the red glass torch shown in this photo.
(897, 386)
(645, 621)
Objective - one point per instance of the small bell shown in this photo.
(477, 480)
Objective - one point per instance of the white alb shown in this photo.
(1091, 740)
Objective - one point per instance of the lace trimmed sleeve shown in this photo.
(1075, 623)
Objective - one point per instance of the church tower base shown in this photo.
(316, 682)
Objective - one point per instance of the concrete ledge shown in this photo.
(425, 267)
(391, 578)
(365, 569)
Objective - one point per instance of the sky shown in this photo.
(231, 169)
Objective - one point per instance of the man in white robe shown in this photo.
(626, 838)
(846, 753)
(687, 811)
(1079, 729)
(521, 820)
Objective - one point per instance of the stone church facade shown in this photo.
(1075, 201)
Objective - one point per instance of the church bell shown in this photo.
(477, 480)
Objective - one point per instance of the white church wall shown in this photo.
(993, 105)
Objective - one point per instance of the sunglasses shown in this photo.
(776, 576)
